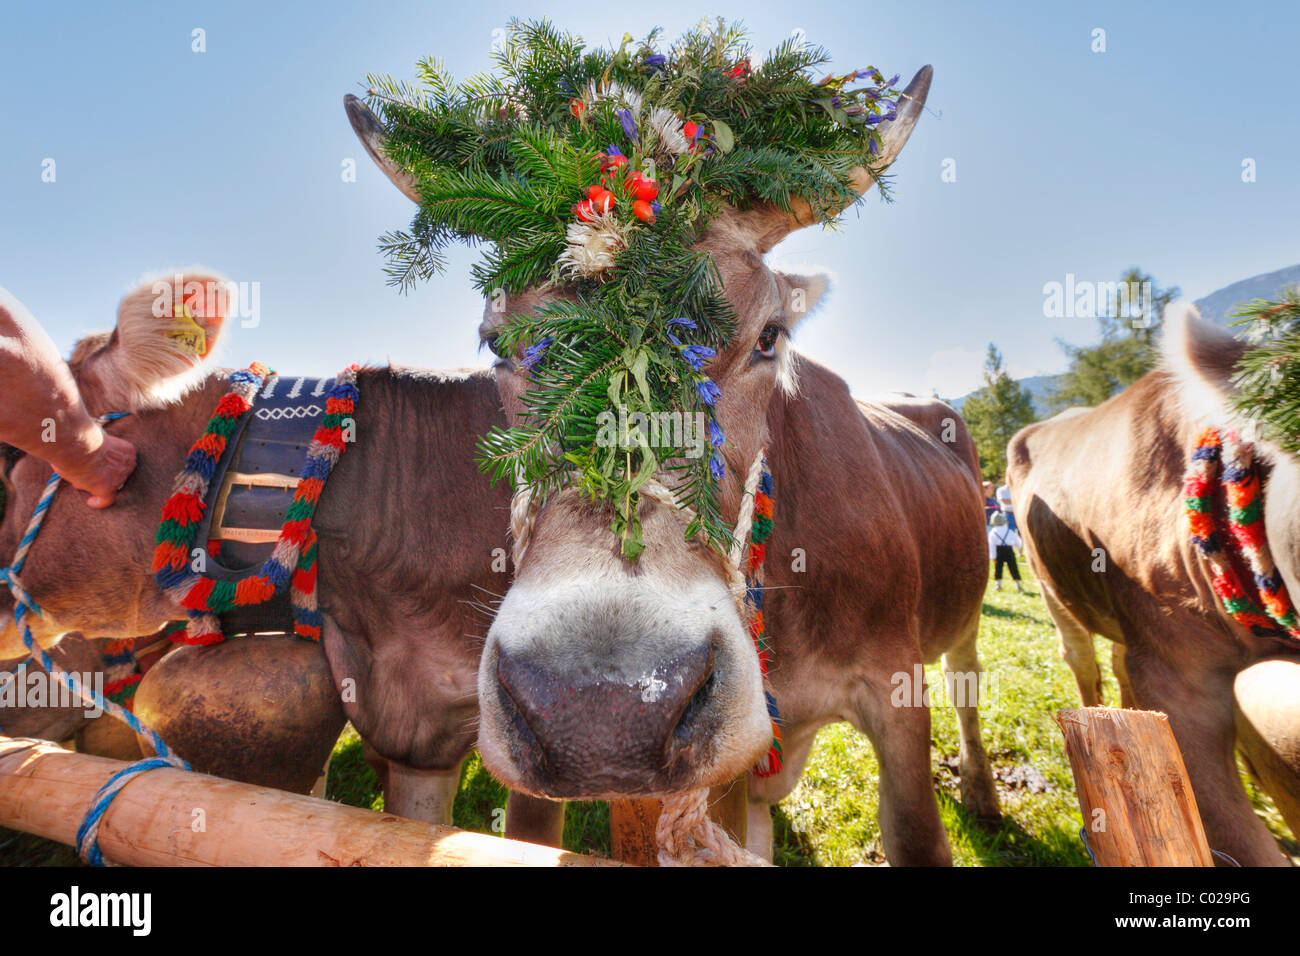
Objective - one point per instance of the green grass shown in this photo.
(830, 818)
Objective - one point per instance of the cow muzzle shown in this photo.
(619, 685)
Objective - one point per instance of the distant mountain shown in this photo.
(1216, 306)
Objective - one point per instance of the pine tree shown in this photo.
(1127, 349)
(995, 413)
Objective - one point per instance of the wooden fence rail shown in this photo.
(170, 817)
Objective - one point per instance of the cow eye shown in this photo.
(494, 343)
(766, 346)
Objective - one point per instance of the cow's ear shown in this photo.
(1202, 359)
(802, 292)
(167, 332)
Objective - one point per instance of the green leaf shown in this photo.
(726, 138)
(639, 366)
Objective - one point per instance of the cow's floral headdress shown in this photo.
(1268, 376)
(597, 170)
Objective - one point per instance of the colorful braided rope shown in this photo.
(293, 562)
(121, 671)
(1228, 461)
(759, 531)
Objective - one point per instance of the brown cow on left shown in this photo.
(390, 564)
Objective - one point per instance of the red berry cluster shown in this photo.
(635, 185)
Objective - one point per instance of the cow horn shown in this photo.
(371, 133)
(893, 136)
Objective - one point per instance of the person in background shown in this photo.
(41, 400)
(1004, 502)
(1003, 542)
(990, 502)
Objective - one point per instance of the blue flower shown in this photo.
(716, 467)
(629, 127)
(716, 438)
(683, 321)
(655, 62)
(888, 115)
(655, 207)
(696, 354)
(533, 354)
(613, 151)
(707, 390)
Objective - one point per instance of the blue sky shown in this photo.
(1067, 161)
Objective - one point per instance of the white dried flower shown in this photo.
(616, 92)
(669, 130)
(593, 246)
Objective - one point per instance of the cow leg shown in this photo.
(534, 819)
(1076, 650)
(1200, 709)
(910, 829)
(1117, 652)
(978, 794)
(766, 792)
(425, 795)
(318, 791)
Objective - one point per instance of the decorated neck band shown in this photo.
(597, 172)
(293, 562)
(1222, 459)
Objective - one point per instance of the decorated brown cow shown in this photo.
(622, 660)
(382, 568)
(1103, 495)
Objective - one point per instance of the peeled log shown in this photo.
(45, 790)
(1127, 765)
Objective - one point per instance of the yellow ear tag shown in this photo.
(186, 332)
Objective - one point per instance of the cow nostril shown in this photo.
(695, 706)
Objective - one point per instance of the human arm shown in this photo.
(42, 412)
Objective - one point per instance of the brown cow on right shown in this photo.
(1099, 497)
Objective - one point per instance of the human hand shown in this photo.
(105, 470)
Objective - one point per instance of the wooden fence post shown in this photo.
(1137, 802)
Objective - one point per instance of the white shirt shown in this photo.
(1004, 498)
(1002, 535)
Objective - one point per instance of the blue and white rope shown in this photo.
(88, 832)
